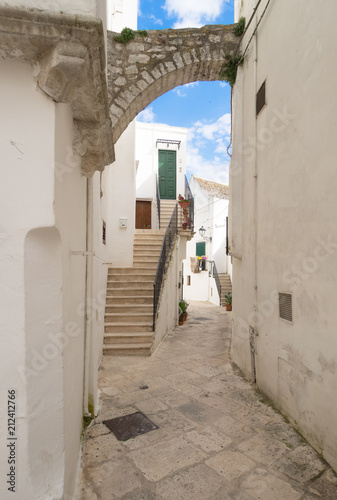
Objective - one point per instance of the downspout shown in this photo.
(255, 333)
(88, 276)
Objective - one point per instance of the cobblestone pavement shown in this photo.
(217, 438)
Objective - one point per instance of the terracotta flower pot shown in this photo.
(228, 307)
(185, 203)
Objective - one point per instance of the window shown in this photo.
(188, 280)
(261, 98)
(200, 251)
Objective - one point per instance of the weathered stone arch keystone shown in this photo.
(147, 67)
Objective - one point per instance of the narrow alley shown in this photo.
(218, 439)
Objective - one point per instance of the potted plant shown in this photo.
(228, 301)
(183, 202)
(183, 305)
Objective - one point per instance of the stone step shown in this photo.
(128, 327)
(129, 292)
(147, 232)
(137, 277)
(127, 350)
(129, 272)
(129, 284)
(128, 317)
(145, 261)
(128, 338)
(146, 252)
(130, 300)
(128, 308)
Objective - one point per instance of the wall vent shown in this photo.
(261, 98)
(285, 306)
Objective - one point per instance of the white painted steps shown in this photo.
(226, 286)
(129, 304)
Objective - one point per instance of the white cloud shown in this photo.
(211, 135)
(156, 20)
(147, 115)
(215, 170)
(181, 90)
(213, 130)
(194, 13)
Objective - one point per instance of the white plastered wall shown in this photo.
(34, 361)
(209, 212)
(293, 239)
(80, 7)
(147, 150)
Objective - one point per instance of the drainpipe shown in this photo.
(88, 285)
(254, 334)
(177, 278)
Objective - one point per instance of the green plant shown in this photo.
(240, 27)
(230, 69)
(126, 35)
(142, 33)
(183, 305)
(228, 298)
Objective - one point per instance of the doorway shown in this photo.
(143, 214)
(167, 174)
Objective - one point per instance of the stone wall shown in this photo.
(148, 66)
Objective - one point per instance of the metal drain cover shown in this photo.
(130, 426)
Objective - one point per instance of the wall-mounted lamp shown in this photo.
(202, 232)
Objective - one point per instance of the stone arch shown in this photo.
(149, 66)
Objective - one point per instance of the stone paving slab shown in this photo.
(217, 438)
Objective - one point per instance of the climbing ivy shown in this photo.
(240, 27)
(230, 69)
(142, 33)
(126, 35)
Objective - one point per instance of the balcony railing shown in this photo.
(189, 196)
(215, 274)
(158, 200)
(170, 234)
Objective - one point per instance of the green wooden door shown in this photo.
(167, 174)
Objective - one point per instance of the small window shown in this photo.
(285, 306)
(188, 280)
(104, 232)
(200, 251)
(261, 98)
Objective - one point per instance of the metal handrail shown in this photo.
(170, 234)
(189, 196)
(216, 278)
(158, 200)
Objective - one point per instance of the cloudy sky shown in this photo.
(202, 107)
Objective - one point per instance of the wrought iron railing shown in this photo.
(158, 201)
(170, 234)
(189, 196)
(216, 277)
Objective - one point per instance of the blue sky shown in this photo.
(202, 107)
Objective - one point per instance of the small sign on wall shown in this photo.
(123, 222)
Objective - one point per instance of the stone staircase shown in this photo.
(129, 302)
(226, 286)
(166, 209)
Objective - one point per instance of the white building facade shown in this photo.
(211, 202)
(156, 146)
(283, 210)
(59, 232)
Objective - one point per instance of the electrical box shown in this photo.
(123, 222)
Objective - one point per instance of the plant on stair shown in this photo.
(228, 301)
(183, 305)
